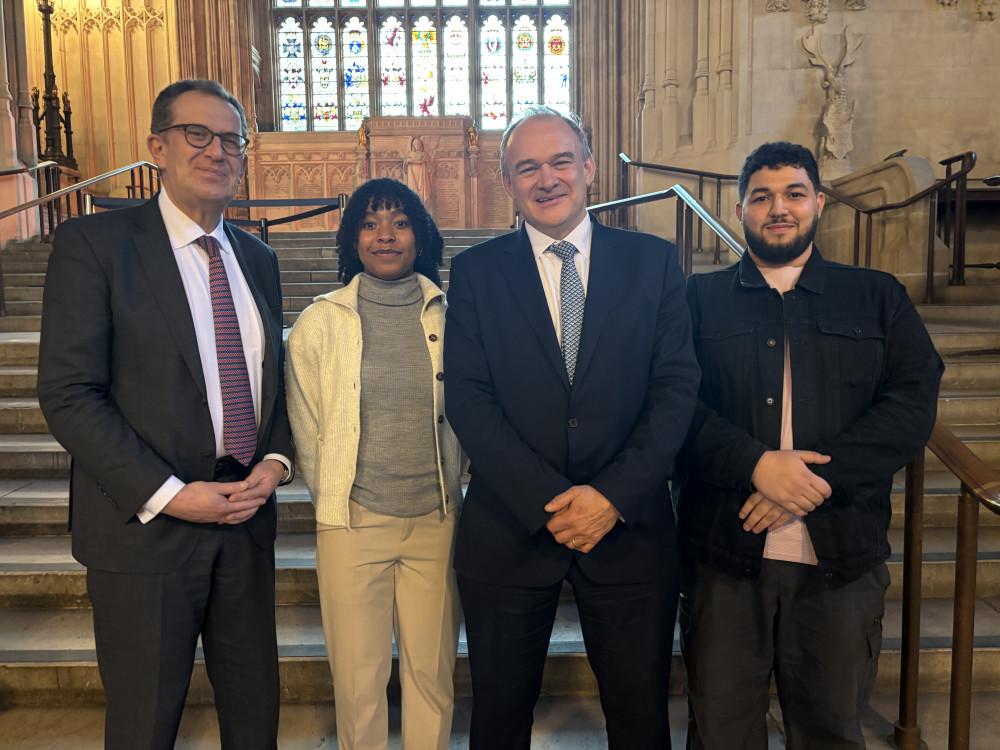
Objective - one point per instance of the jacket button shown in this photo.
(572, 422)
(440, 418)
(440, 376)
(769, 401)
(433, 337)
(857, 330)
(771, 342)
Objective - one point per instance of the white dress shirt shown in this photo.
(192, 262)
(550, 264)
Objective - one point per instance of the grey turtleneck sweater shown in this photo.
(397, 471)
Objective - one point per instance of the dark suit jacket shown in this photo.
(530, 435)
(121, 385)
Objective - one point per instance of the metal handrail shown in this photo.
(980, 485)
(29, 170)
(689, 208)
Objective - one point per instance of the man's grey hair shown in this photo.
(163, 106)
(570, 119)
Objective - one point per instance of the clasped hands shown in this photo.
(785, 488)
(226, 502)
(581, 516)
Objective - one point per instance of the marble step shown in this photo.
(39, 571)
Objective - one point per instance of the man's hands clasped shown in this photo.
(581, 516)
(226, 502)
(785, 488)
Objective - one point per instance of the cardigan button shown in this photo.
(771, 342)
(440, 376)
(433, 337)
(769, 401)
(573, 422)
(440, 418)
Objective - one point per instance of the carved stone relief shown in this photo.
(817, 11)
(986, 10)
(776, 6)
(948, 3)
(838, 112)
(856, 4)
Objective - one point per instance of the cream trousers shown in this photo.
(385, 577)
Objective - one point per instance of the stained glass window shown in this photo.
(555, 64)
(493, 70)
(338, 61)
(292, 84)
(423, 53)
(355, 66)
(392, 53)
(524, 63)
(456, 67)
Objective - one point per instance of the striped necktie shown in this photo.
(571, 303)
(239, 421)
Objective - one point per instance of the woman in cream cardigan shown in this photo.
(366, 400)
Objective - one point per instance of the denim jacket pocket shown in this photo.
(853, 349)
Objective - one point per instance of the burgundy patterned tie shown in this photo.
(239, 421)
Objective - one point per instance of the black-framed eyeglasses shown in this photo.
(199, 136)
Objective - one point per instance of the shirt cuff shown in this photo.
(152, 507)
(284, 461)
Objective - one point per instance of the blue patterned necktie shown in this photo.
(571, 302)
(239, 421)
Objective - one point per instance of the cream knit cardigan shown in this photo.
(323, 380)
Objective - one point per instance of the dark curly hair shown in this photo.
(388, 193)
(774, 155)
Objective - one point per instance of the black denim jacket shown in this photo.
(865, 381)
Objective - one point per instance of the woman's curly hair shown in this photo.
(385, 192)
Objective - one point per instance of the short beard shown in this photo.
(780, 254)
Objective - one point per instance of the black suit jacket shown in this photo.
(530, 435)
(121, 385)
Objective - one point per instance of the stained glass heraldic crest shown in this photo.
(340, 61)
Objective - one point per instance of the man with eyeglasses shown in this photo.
(161, 373)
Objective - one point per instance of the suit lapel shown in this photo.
(604, 281)
(269, 380)
(521, 271)
(152, 247)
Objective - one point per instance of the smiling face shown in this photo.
(779, 213)
(547, 175)
(200, 181)
(387, 245)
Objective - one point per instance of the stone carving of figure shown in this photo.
(473, 134)
(838, 113)
(416, 168)
(986, 10)
(363, 137)
(817, 10)
(856, 4)
(776, 6)
(948, 3)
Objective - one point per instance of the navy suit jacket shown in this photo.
(121, 384)
(530, 435)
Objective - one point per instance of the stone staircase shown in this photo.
(47, 662)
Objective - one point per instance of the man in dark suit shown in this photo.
(570, 383)
(161, 372)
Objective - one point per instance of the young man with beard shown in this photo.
(819, 382)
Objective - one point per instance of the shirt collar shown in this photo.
(811, 279)
(182, 230)
(579, 236)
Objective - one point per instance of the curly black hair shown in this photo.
(385, 192)
(774, 155)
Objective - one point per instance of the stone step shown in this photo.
(12, 280)
(984, 314)
(18, 348)
(48, 658)
(18, 380)
(971, 294)
(23, 294)
(32, 457)
(312, 277)
(967, 407)
(954, 341)
(39, 265)
(308, 264)
(20, 323)
(21, 308)
(40, 572)
(21, 416)
(972, 373)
